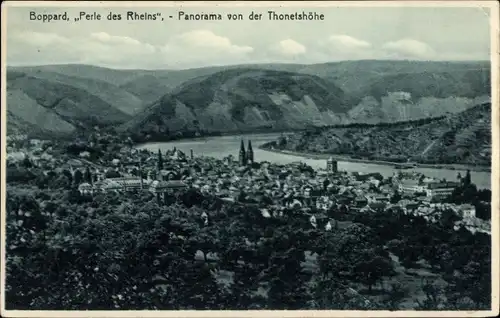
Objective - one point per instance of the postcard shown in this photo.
(250, 158)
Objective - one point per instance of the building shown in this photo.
(159, 188)
(107, 185)
(331, 165)
(166, 175)
(85, 188)
(410, 186)
(173, 185)
(467, 211)
(440, 189)
(130, 184)
(249, 157)
(242, 155)
(377, 198)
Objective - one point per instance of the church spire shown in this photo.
(160, 161)
(242, 157)
(250, 153)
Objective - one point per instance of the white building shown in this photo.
(467, 211)
(440, 189)
(85, 188)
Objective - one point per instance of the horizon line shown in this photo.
(246, 64)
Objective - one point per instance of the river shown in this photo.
(220, 147)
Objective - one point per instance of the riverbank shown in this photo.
(378, 162)
(205, 136)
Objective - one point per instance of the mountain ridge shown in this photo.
(462, 138)
(367, 88)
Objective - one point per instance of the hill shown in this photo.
(356, 77)
(372, 92)
(25, 114)
(111, 94)
(51, 105)
(463, 138)
(353, 77)
(245, 100)
(152, 85)
(109, 75)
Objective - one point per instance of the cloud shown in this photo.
(39, 39)
(409, 48)
(289, 48)
(208, 40)
(197, 47)
(202, 47)
(344, 47)
(96, 48)
(113, 39)
(348, 42)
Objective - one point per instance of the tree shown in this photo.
(433, 299)
(372, 268)
(285, 293)
(396, 197)
(397, 293)
(19, 175)
(326, 182)
(472, 282)
(160, 160)
(112, 174)
(27, 162)
(68, 175)
(467, 179)
(87, 176)
(78, 177)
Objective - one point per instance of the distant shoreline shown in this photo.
(457, 167)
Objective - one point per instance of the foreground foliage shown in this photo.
(66, 251)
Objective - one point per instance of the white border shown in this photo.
(495, 177)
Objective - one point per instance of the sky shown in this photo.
(346, 33)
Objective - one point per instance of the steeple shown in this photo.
(140, 173)
(250, 153)
(160, 161)
(242, 156)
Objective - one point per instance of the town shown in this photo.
(322, 196)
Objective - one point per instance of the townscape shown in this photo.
(312, 157)
(209, 192)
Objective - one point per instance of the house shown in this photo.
(467, 211)
(265, 213)
(360, 201)
(85, 188)
(84, 154)
(377, 198)
(408, 205)
(377, 205)
(107, 185)
(167, 175)
(175, 185)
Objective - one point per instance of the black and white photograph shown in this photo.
(245, 158)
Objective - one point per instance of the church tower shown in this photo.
(331, 166)
(242, 157)
(250, 153)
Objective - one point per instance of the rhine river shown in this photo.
(220, 147)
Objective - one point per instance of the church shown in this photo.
(246, 156)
